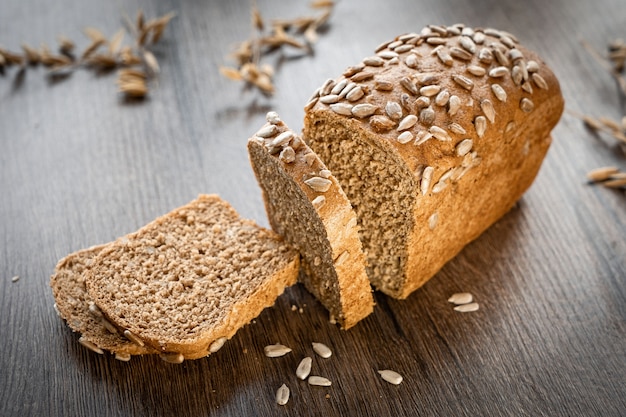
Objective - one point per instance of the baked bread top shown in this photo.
(306, 205)
(186, 282)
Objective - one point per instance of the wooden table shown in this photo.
(79, 166)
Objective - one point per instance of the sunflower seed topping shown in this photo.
(322, 350)
(391, 376)
(480, 123)
(282, 139)
(445, 57)
(501, 57)
(539, 81)
(515, 54)
(172, 357)
(405, 137)
(393, 110)
(499, 92)
(527, 87)
(463, 147)
(387, 54)
(526, 105)
(347, 89)
(487, 107)
(461, 298)
(267, 131)
(432, 221)
(273, 118)
(485, 56)
(356, 94)
(327, 87)
(403, 49)
(498, 72)
(364, 110)
(275, 351)
(304, 368)
(456, 128)
(381, 123)
(282, 395)
(362, 76)
(436, 40)
(374, 61)
(532, 66)
(422, 137)
(516, 74)
(421, 102)
(319, 201)
(426, 178)
(440, 134)
(411, 61)
(217, 344)
(382, 85)
(409, 86)
(319, 381)
(463, 81)
(476, 70)
(133, 338)
(442, 98)
(339, 86)
(454, 104)
(90, 345)
(461, 54)
(602, 174)
(319, 184)
(344, 109)
(407, 123)
(479, 38)
(468, 44)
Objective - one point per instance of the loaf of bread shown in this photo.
(76, 307)
(433, 138)
(306, 206)
(186, 282)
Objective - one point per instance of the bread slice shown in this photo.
(186, 282)
(76, 307)
(433, 138)
(306, 205)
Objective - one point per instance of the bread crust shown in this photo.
(508, 125)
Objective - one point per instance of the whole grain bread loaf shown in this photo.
(433, 138)
(186, 282)
(76, 307)
(306, 206)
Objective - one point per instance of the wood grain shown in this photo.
(78, 167)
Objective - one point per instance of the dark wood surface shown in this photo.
(78, 167)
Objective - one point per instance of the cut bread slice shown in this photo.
(186, 282)
(76, 307)
(306, 205)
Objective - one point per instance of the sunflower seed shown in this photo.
(454, 104)
(403, 49)
(499, 92)
(487, 107)
(515, 54)
(442, 98)
(479, 38)
(523, 69)
(17, 278)
(311, 104)
(507, 41)
(463, 81)
(498, 72)
(355, 94)
(516, 74)
(275, 351)
(432, 221)
(322, 350)
(282, 139)
(440, 134)
(282, 395)
(467, 31)
(381, 123)
(327, 87)
(319, 184)
(445, 57)
(461, 54)
(90, 345)
(463, 147)
(273, 118)
(526, 105)
(421, 102)
(407, 123)
(436, 40)
(382, 46)
(422, 137)
(468, 44)
(350, 71)
(330, 99)
(615, 183)
(382, 85)
(109, 326)
(509, 127)
(374, 61)
(124, 357)
(485, 56)
(133, 338)
(527, 87)
(393, 110)
(362, 76)
(411, 61)
(461, 298)
(532, 66)
(405, 137)
(430, 90)
(439, 187)
(601, 174)
(304, 368)
(538, 79)
(501, 57)
(387, 54)
(217, 344)
(267, 131)
(339, 86)
(172, 357)
(325, 173)
(426, 78)
(409, 86)
(480, 124)
(426, 178)
(344, 109)
(476, 70)
(466, 308)
(427, 116)
(456, 128)
(319, 201)
(95, 310)
(347, 89)
(319, 381)
(364, 110)
(391, 376)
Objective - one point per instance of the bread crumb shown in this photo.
(293, 307)
(327, 396)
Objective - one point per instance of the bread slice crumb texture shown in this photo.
(191, 277)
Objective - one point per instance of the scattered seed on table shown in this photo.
(275, 351)
(391, 376)
(282, 395)
(15, 278)
(466, 308)
(322, 350)
(304, 368)
(460, 298)
(319, 381)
